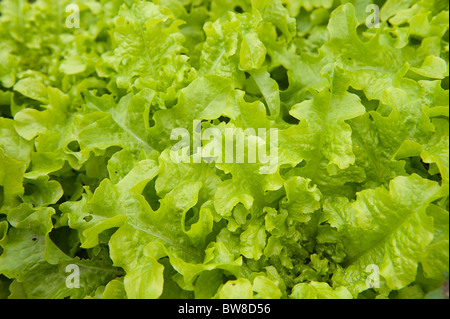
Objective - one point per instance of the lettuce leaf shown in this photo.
(117, 179)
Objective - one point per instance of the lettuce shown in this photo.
(108, 107)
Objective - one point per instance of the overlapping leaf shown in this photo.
(223, 149)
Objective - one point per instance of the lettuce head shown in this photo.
(107, 108)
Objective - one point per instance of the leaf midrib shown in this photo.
(124, 128)
(382, 239)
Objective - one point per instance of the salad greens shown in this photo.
(92, 204)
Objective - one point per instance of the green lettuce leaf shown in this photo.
(257, 149)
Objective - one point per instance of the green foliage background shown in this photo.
(86, 177)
